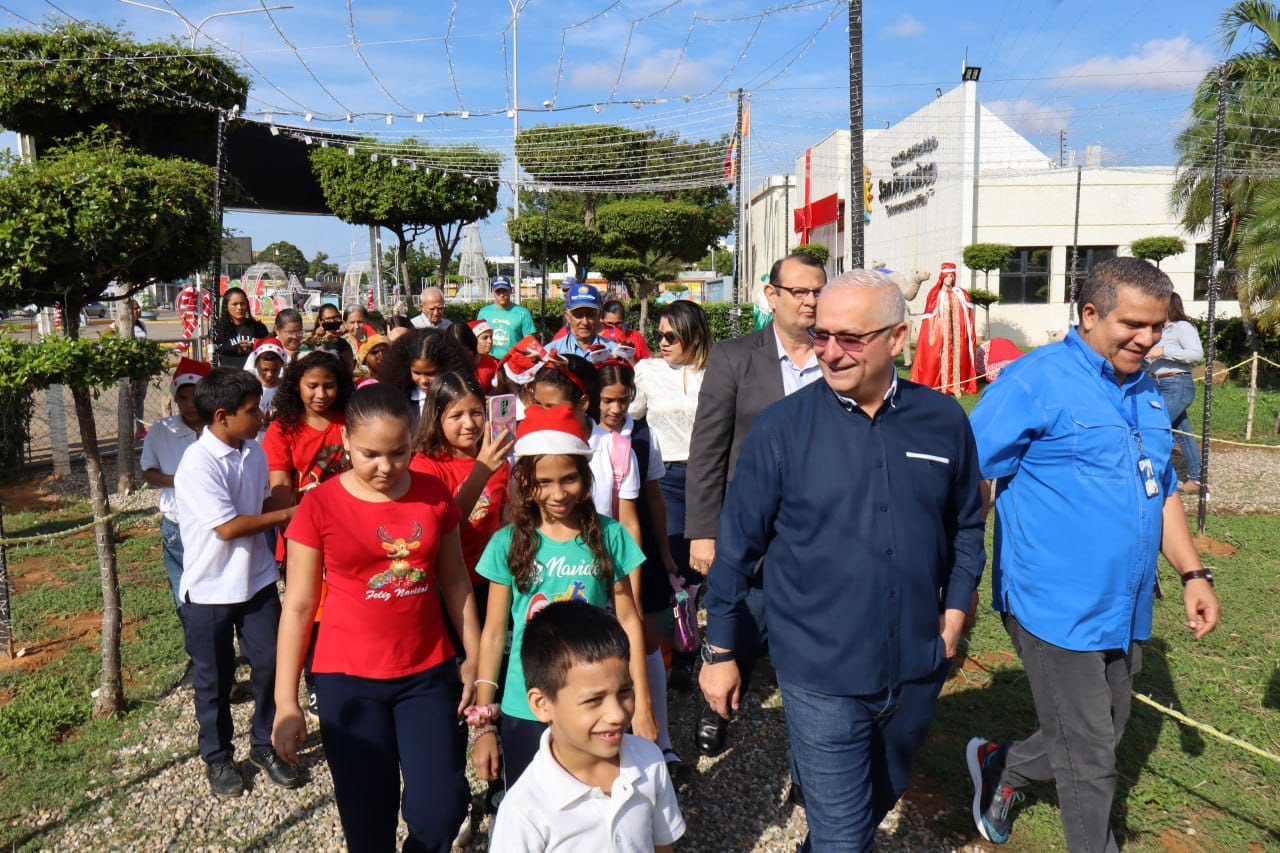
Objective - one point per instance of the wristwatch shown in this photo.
(1198, 573)
(710, 655)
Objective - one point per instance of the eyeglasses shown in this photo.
(616, 324)
(669, 338)
(847, 342)
(799, 294)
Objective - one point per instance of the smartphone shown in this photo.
(502, 414)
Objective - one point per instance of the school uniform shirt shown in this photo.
(162, 450)
(215, 483)
(601, 464)
(565, 571)
(382, 610)
(486, 516)
(549, 809)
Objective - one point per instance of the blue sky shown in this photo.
(1118, 74)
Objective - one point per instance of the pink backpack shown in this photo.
(620, 460)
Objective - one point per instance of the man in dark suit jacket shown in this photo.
(744, 376)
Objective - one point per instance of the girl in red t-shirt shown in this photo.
(389, 687)
(453, 444)
(304, 442)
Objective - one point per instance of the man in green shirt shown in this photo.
(509, 322)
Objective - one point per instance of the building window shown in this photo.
(1025, 279)
(1088, 257)
(1200, 289)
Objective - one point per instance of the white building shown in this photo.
(954, 173)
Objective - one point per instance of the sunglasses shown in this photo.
(616, 324)
(848, 342)
(669, 338)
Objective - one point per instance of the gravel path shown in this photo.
(157, 797)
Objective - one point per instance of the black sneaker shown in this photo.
(241, 691)
(992, 802)
(224, 778)
(284, 775)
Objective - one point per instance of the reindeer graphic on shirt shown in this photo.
(401, 574)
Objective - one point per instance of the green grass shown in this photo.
(53, 754)
(1172, 777)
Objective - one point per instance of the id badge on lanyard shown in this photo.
(1145, 468)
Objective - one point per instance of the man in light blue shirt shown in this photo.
(582, 316)
(1077, 438)
(510, 323)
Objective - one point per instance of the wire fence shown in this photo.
(50, 428)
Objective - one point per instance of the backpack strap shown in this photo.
(620, 461)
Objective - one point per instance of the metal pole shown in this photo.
(1215, 249)
(546, 227)
(1075, 253)
(737, 228)
(854, 223)
(515, 133)
(786, 218)
(219, 167)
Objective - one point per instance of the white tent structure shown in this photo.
(471, 266)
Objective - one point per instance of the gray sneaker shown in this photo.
(225, 778)
(992, 802)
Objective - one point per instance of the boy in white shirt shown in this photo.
(591, 785)
(162, 450)
(229, 574)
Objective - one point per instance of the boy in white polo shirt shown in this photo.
(162, 450)
(229, 574)
(591, 785)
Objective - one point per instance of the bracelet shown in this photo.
(476, 734)
(480, 681)
(1206, 574)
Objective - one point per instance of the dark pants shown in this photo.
(1082, 703)
(375, 730)
(210, 638)
(520, 741)
(672, 487)
(851, 755)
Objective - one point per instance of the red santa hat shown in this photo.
(479, 327)
(522, 361)
(189, 372)
(552, 430)
(947, 267)
(262, 346)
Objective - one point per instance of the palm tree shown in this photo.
(1251, 154)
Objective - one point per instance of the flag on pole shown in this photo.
(728, 159)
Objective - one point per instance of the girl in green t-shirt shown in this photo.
(556, 548)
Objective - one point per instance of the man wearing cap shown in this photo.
(509, 322)
(162, 450)
(432, 316)
(582, 316)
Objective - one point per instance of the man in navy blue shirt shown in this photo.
(860, 493)
(1077, 437)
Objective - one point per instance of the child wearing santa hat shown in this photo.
(162, 449)
(267, 363)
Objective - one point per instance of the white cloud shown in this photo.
(1173, 63)
(1030, 116)
(905, 27)
(644, 76)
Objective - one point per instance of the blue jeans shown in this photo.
(377, 731)
(851, 755)
(1178, 391)
(171, 549)
(672, 486)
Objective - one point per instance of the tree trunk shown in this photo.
(111, 689)
(125, 443)
(405, 285)
(1253, 395)
(644, 313)
(6, 617)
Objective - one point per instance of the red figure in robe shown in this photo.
(945, 354)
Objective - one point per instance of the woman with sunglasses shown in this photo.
(667, 391)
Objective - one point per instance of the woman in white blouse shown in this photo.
(667, 397)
